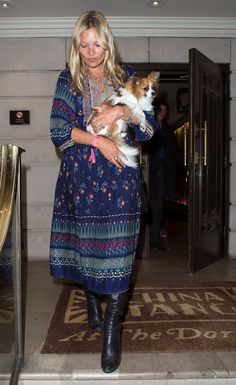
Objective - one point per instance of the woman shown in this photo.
(96, 214)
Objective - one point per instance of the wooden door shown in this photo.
(206, 162)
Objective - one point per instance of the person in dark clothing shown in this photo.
(163, 160)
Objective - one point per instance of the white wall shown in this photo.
(28, 71)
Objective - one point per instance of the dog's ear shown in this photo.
(130, 81)
(136, 81)
(155, 75)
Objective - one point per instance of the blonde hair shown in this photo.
(78, 69)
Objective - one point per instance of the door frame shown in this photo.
(184, 67)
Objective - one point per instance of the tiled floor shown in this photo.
(41, 297)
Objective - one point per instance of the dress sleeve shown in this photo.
(63, 114)
(146, 131)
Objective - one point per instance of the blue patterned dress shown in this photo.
(96, 215)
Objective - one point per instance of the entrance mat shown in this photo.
(159, 319)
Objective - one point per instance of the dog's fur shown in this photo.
(137, 94)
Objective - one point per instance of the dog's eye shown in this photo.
(146, 88)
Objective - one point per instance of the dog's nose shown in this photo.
(153, 93)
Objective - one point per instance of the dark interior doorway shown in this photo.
(175, 89)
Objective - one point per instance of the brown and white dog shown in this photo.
(137, 94)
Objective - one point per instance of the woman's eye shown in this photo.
(97, 45)
(83, 45)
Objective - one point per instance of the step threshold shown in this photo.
(136, 368)
(109, 381)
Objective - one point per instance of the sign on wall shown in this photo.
(19, 117)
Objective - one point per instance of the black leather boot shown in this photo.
(94, 310)
(111, 354)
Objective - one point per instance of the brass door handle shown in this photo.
(204, 129)
(185, 144)
(205, 143)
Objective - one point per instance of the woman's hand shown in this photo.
(110, 150)
(106, 116)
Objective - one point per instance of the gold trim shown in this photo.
(8, 187)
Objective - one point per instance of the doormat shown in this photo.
(158, 319)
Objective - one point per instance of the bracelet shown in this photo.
(94, 141)
(92, 157)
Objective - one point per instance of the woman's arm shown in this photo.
(108, 148)
(63, 115)
(146, 131)
(64, 128)
(107, 116)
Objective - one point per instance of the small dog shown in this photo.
(137, 94)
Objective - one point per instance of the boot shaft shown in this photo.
(111, 354)
(114, 310)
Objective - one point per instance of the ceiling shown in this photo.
(135, 8)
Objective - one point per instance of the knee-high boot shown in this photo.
(111, 354)
(94, 310)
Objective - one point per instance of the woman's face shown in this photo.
(90, 50)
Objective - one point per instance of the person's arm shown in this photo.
(63, 125)
(63, 116)
(106, 146)
(64, 128)
(108, 115)
(146, 131)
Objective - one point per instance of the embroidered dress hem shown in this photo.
(99, 255)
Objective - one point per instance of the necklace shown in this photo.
(93, 95)
(101, 83)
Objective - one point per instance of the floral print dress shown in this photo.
(96, 214)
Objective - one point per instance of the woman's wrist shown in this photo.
(95, 139)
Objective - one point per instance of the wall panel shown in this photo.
(39, 108)
(27, 83)
(39, 183)
(32, 54)
(36, 150)
(175, 50)
(134, 50)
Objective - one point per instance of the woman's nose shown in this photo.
(91, 51)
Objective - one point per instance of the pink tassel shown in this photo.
(92, 158)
